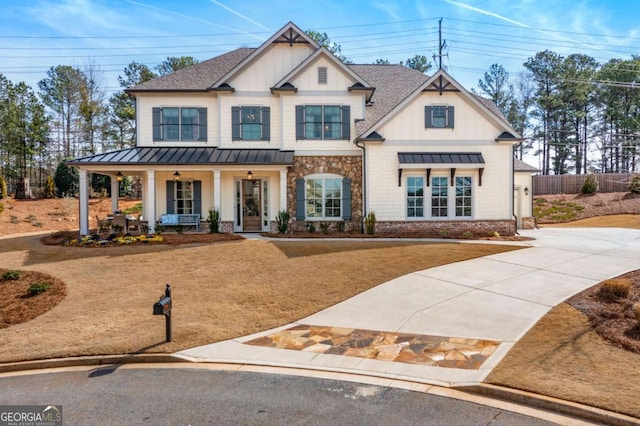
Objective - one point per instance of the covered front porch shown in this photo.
(246, 187)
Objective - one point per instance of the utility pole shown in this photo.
(441, 45)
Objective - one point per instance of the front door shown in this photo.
(251, 205)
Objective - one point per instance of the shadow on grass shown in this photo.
(293, 249)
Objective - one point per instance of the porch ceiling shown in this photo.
(186, 156)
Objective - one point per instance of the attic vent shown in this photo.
(322, 75)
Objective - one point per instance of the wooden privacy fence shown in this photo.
(571, 184)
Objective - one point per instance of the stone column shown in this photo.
(84, 202)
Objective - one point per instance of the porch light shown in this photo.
(249, 175)
(176, 176)
(526, 190)
(119, 177)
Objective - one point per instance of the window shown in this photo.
(439, 191)
(415, 197)
(322, 122)
(438, 116)
(463, 196)
(184, 197)
(322, 75)
(323, 198)
(179, 124)
(250, 123)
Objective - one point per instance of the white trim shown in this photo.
(84, 202)
(150, 205)
(323, 177)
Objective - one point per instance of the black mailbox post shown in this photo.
(163, 307)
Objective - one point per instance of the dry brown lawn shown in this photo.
(220, 290)
(631, 221)
(562, 356)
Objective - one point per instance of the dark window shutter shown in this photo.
(170, 200)
(346, 122)
(300, 196)
(299, 122)
(450, 117)
(157, 125)
(235, 124)
(197, 197)
(427, 117)
(346, 199)
(266, 123)
(202, 124)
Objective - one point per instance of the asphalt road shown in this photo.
(113, 396)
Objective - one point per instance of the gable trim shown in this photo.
(290, 26)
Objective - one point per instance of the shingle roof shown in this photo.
(393, 84)
(187, 155)
(198, 77)
(521, 166)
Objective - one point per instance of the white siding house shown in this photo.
(289, 127)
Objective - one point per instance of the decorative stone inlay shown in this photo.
(449, 352)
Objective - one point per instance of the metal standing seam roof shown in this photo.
(187, 156)
(440, 158)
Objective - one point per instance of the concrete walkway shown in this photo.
(498, 298)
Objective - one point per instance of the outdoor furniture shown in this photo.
(181, 220)
(119, 223)
(133, 223)
(104, 225)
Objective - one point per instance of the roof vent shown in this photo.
(322, 75)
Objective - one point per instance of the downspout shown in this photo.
(364, 180)
(513, 201)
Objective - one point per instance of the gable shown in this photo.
(336, 77)
(471, 123)
(270, 66)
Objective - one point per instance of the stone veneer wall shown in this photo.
(453, 228)
(528, 223)
(346, 166)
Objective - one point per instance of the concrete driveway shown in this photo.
(469, 314)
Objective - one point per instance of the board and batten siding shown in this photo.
(145, 102)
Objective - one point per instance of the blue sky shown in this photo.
(38, 34)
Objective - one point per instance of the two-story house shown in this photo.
(288, 126)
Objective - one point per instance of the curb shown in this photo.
(11, 367)
(515, 396)
(547, 403)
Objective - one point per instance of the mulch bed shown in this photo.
(16, 303)
(612, 318)
(357, 234)
(63, 237)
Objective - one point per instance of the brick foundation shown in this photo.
(449, 228)
(528, 223)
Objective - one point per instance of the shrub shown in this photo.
(311, 227)
(444, 233)
(49, 188)
(159, 229)
(214, 221)
(67, 179)
(179, 229)
(11, 275)
(636, 311)
(590, 185)
(282, 221)
(136, 208)
(117, 229)
(1, 207)
(324, 226)
(634, 184)
(38, 287)
(341, 226)
(615, 288)
(3, 188)
(494, 234)
(370, 223)
(14, 219)
(467, 234)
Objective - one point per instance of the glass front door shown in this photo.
(251, 205)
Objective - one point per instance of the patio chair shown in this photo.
(133, 224)
(103, 225)
(119, 223)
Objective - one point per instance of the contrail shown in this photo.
(520, 24)
(194, 19)
(240, 15)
